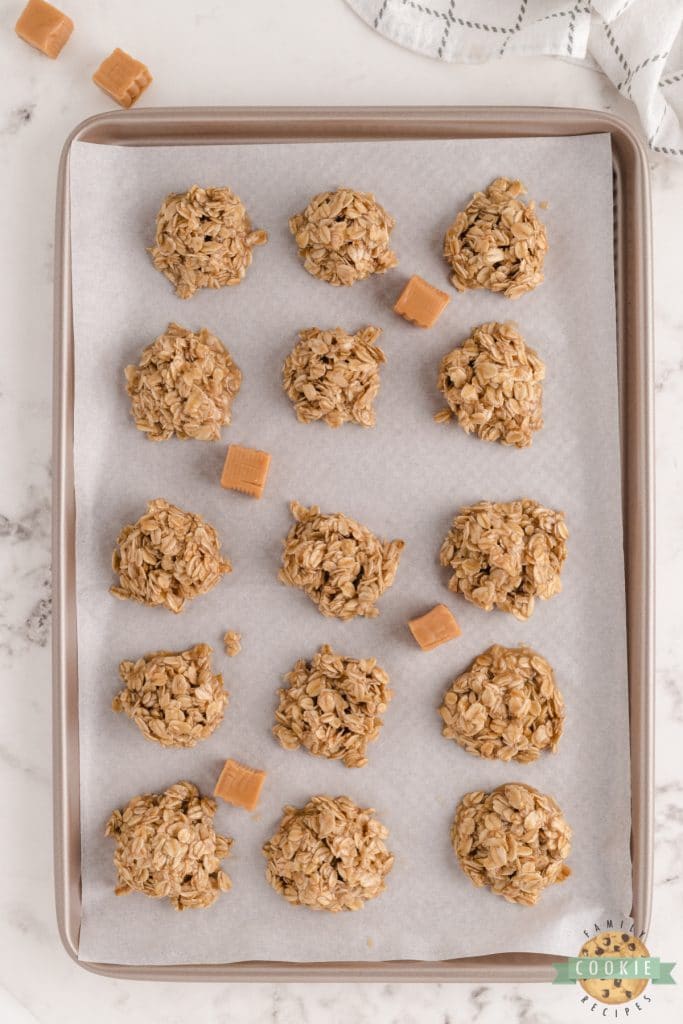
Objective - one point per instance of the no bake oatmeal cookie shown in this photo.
(506, 554)
(167, 557)
(173, 697)
(343, 236)
(204, 239)
(167, 848)
(493, 384)
(332, 706)
(328, 855)
(514, 840)
(506, 705)
(497, 242)
(334, 376)
(184, 384)
(338, 563)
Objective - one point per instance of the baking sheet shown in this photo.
(406, 478)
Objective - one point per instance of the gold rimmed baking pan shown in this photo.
(211, 126)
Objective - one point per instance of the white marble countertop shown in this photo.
(270, 53)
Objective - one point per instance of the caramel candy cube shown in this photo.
(435, 628)
(43, 26)
(122, 77)
(239, 785)
(421, 303)
(246, 470)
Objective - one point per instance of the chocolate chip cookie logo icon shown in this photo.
(614, 967)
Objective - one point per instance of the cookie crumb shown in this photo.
(232, 642)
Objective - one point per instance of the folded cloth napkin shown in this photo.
(636, 43)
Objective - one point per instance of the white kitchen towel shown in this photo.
(636, 43)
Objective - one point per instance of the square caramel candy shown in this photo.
(435, 628)
(239, 785)
(122, 77)
(421, 303)
(246, 470)
(43, 26)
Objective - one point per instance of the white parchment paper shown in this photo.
(406, 478)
